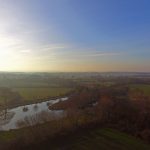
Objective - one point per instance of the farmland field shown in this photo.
(41, 93)
(142, 87)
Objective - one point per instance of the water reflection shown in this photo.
(36, 107)
(25, 109)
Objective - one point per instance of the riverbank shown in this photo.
(36, 101)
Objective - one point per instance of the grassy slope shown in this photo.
(105, 139)
(97, 139)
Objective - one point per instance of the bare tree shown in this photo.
(4, 95)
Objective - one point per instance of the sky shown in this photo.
(75, 35)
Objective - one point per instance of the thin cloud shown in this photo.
(84, 54)
(25, 51)
(103, 54)
(54, 47)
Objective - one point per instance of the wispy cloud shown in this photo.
(85, 53)
(54, 47)
(25, 51)
(98, 54)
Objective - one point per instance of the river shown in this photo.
(14, 115)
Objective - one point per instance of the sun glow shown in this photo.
(8, 60)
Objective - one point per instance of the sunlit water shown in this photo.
(19, 113)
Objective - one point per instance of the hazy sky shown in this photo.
(74, 35)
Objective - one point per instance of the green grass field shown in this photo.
(143, 87)
(41, 93)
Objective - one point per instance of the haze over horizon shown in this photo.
(70, 36)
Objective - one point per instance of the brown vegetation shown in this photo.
(113, 107)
